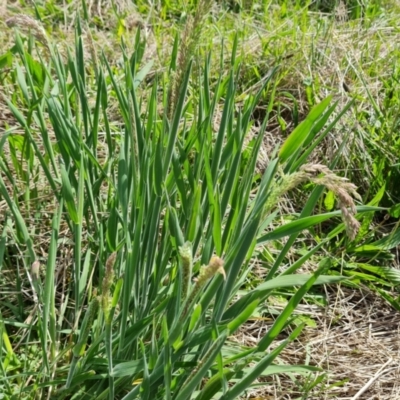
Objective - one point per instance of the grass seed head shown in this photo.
(35, 270)
(343, 190)
(321, 175)
(215, 265)
(28, 25)
(186, 256)
(107, 282)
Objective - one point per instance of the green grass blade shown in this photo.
(199, 372)
(300, 133)
(260, 368)
(49, 312)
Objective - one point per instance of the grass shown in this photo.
(169, 210)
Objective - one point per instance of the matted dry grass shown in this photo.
(356, 342)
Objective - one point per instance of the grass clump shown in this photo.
(167, 197)
(163, 213)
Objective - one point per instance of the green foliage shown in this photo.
(159, 184)
(163, 214)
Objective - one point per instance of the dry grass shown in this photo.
(356, 340)
(348, 59)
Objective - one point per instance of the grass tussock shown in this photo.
(199, 200)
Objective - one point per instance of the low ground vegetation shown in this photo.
(199, 200)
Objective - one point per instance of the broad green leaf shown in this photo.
(128, 368)
(296, 226)
(6, 60)
(195, 317)
(388, 242)
(296, 139)
(68, 196)
(277, 283)
(139, 77)
(242, 317)
(395, 211)
(329, 201)
(305, 223)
